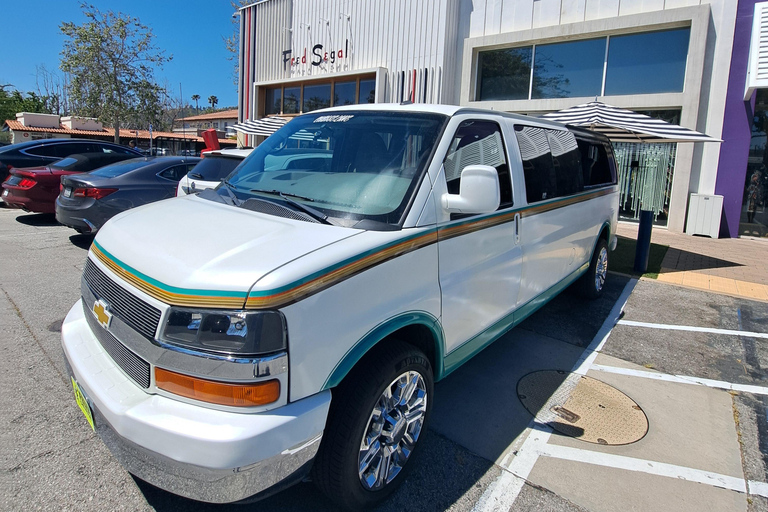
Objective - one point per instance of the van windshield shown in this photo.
(351, 165)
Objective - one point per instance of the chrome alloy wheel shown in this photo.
(392, 431)
(601, 268)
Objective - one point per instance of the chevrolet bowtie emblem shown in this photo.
(101, 313)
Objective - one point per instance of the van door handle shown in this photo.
(517, 228)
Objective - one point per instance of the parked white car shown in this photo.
(357, 256)
(214, 167)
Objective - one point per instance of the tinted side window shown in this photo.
(114, 149)
(478, 143)
(538, 167)
(596, 169)
(174, 173)
(44, 151)
(567, 162)
(72, 148)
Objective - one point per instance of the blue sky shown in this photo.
(190, 30)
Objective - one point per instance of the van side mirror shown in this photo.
(479, 191)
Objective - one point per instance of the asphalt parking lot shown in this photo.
(692, 363)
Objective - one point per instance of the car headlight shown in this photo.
(241, 333)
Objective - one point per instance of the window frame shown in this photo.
(477, 94)
(505, 153)
(280, 91)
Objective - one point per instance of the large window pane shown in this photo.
(651, 62)
(272, 101)
(754, 211)
(344, 93)
(291, 97)
(566, 70)
(367, 91)
(504, 74)
(316, 96)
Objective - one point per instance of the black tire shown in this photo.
(335, 470)
(593, 282)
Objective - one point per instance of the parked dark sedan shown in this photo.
(34, 189)
(39, 153)
(87, 201)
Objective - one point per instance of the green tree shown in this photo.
(213, 100)
(13, 101)
(111, 60)
(196, 98)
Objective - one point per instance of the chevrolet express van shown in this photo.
(354, 258)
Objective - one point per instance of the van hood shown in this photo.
(191, 247)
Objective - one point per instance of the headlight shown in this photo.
(241, 333)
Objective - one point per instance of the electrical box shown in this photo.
(704, 213)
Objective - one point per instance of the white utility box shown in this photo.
(704, 213)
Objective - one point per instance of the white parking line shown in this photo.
(502, 493)
(644, 466)
(683, 379)
(758, 488)
(689, 328)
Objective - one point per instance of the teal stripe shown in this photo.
(380, 332)
(165, 287)
(465, 352)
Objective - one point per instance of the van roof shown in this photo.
(448, 110)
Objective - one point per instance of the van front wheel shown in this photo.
(593, 281)
(377, 417)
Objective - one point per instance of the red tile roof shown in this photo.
(109, 132)
(223, 114)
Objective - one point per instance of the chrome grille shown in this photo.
(134, 366)
(130, 309)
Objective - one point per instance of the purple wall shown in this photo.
(737, 125)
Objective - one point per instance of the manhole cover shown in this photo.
(582, 407)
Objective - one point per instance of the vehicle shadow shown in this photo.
(38, 219)
(476, 413)
(442, 474)
(82, 241)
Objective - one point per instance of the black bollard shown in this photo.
(643, 247)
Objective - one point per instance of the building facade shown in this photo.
(684, 61)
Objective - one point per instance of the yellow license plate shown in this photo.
(82, 402)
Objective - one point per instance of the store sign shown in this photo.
(317, 56)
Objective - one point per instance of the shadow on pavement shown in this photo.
(443, 473)
(82, 241)
(38, 219)
(477, 406)
(685, 260)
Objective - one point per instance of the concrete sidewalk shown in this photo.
(733, 266)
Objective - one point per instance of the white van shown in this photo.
(357, 256)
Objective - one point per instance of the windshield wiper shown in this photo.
(229, 188)
(195, 175)
(312, 212)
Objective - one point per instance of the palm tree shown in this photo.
(196, 97)
(213, 100)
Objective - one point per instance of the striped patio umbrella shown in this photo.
(265, 126)
(622, 125)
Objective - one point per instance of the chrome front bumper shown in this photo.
(194, 451)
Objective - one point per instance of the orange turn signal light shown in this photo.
(221, 393)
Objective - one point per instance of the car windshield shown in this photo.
(120, 168)
(352, 165)
(214, 167)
